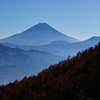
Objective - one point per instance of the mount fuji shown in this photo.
(40, 34)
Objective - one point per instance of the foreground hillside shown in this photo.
(77, 78)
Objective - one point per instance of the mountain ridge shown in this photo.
(61, 47)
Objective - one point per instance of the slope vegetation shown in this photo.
(77, 78)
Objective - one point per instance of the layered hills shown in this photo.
(39, 34)
(77, 78)
(15, 63)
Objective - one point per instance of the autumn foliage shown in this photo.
(63, 81)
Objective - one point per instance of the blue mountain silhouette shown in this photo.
(39, 34)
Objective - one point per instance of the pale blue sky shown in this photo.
(75, 18)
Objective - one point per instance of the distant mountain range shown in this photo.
(39, 34)
(61, 47)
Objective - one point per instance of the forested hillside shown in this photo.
(77, 78)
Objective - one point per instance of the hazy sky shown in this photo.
(76, 18)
